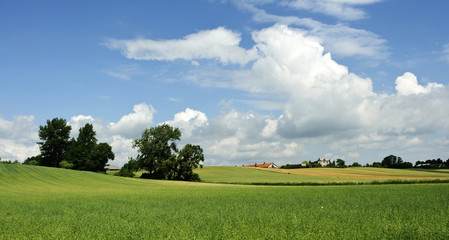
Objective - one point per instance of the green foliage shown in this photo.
(395, 162)
(49, 203)
(55, 139)
(66, 165)
(155, 146)
(340, 163)
(291, 166)
(80, 149)
(98, 157)
(128, 169)
(356, 164)
(35, 160)
(158, 154)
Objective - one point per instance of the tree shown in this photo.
(156, 146)
(340, 163)
(98, 157)
(79, 150)
(395, 162)
(55, 139)
(158, 154)
(391, 161)
(356, 164)
(128, 168)
(188, 159)
(35, 160)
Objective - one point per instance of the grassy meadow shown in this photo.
(47, 203)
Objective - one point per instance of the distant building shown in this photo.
(323, 162)
(264, 165)
(110, 167)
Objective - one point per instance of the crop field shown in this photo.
(244, 175)
(48, 203)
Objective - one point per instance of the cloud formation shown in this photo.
(340, 39)
(341, 9)
(407, 84)
(218, 44)
(18, 138)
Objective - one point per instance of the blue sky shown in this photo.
(250, 81)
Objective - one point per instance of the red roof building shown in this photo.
(264, 165)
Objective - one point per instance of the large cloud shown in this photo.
(340, 39)
(234, 138)
(132, 125)
(18, 138)
(219, 44)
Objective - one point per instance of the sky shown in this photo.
(250, 81)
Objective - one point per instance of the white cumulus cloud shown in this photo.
(407, 84)
(132, 125)
(219, 44)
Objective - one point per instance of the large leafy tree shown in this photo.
(81, 147)
(156, 146)
(98, 157)
(55, 139)
(158, 154)
(188, 159)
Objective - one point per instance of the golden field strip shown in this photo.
(367, 173)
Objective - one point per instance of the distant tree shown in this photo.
(340, 163)
(356, 164)
(99, 156)
(35, 160)
(55, 139)
(377, 164)
(392, 161)
(128, 168)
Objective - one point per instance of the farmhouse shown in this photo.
(110, 167)
(264, 165)
(324, 162)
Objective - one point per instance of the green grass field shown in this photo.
(48, 203)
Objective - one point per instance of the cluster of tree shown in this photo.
(160, 157)
(58, 150)
(432, 163)
(390, 161)
(9, 162)
(395, 162)
(339, 163)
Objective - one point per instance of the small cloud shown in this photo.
(407, 84)
(446, 52)
(341, 9)
(124, 72)
(172, 99)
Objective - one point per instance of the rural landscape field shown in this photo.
(54, 203)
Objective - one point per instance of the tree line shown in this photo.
(390, 161)
(158, 155)
(58, 150)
